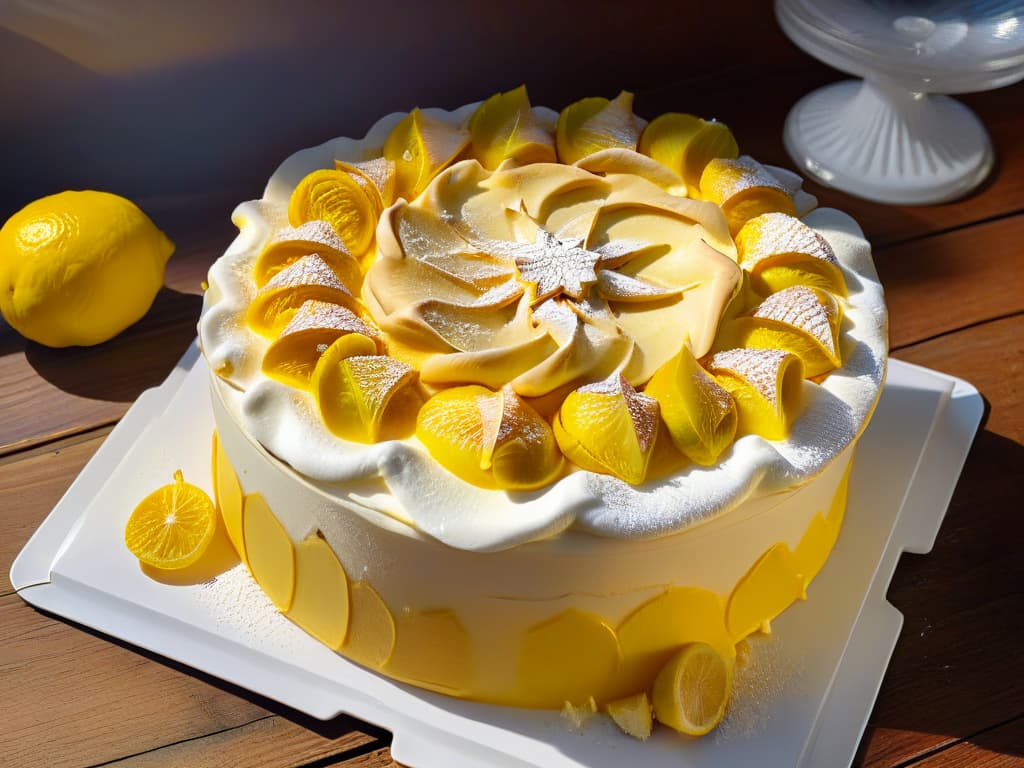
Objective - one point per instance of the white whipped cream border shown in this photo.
(400, 479)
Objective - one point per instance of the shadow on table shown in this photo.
(121, 369)
(956, 671)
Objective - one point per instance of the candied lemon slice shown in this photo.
(779, 251)
(632, 714)
(421, 147)
(173, 526)
(363, 396)
(490, 439)
(505, 128)
(801, 320)
(608, 427)
(309, 278)
(692, 690)
(335, 197)
(292, 243)
(699, 412)
(592, 124)
(686, 144)
(744, 189)
(767, 385)
(293, 355)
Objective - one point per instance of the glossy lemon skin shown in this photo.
(78, 268)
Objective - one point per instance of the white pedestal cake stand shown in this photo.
(894, 137)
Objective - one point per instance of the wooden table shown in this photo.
(954, 691)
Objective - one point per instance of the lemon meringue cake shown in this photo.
(514, 404)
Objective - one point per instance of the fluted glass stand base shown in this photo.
(880, 142)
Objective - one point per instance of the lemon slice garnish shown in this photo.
(692, 690)
(336, 197)
(173, 526)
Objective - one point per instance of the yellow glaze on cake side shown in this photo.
(537, 648)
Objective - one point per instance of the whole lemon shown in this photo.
(77, 268)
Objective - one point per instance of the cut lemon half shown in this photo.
(173, 526)
(692, 690)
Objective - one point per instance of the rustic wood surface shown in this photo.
(953, 694)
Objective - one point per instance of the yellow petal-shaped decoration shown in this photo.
(363, 396)
(779, 251)
(700, 414)
(421, 147)
(744, 189)
(320, 603)
(375, 177)
(491, 439)
(569, 657)
(654, 631)
(609, 427)
(227, 493)
(292, 243)
(801, 320)
(371, 627)
(337, 198)
(686, 144)
(767, 385)
(432, 650)
(590, 125)
(309, 278)
(269, 551)
(505, 128)
(293, 355)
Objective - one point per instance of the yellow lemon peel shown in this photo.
(78, 268)
(767, 385)
(421, 146)
(744, 189)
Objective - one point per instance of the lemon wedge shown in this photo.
(77, 268)
(632, 714)
(364, 396)
(590, 125)
(692, 690)
(609, 428)
(504, 128)
(686, 144)
(421, 147)
(172, 527)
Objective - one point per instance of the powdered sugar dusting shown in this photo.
(237, 603)
(621, 287)
(774, 234)
(315, 233)
(316, 315)
(748, 174)
(799, 306)
(309, 270)
(759, 367)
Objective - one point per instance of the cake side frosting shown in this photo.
(413, 489)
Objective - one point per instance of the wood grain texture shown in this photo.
(30, 487)
(69, 697)
(1000, 747)
(271, 742)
